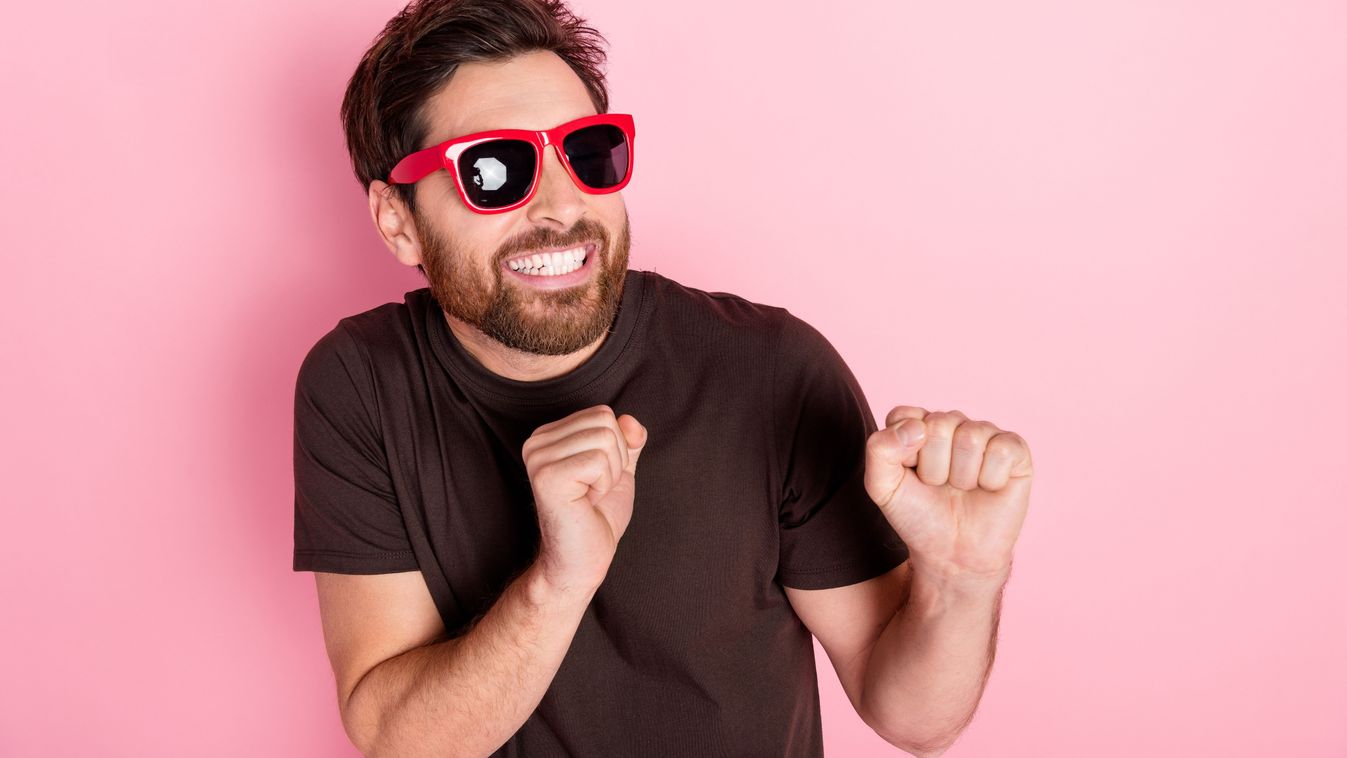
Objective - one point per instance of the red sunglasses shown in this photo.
(503, 165)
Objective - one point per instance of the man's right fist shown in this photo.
(582, 470)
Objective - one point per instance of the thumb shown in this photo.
(636, 436)
(885, 452)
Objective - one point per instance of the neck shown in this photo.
(517, 364)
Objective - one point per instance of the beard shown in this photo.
(542, 322)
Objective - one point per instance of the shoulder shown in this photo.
(712, 319)
(354, 343)
(684, 307)
(388, 326)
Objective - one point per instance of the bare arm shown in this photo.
(930, 664)
(466, 696)
(406, 690)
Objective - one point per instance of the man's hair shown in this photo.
(383, 112)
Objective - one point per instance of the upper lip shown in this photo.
(586, 244)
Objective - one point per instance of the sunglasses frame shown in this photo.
(422, 163)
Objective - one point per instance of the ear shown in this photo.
(395, 223)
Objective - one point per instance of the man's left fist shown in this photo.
(955, 490)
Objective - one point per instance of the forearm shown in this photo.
(466, 696)
(927, 670)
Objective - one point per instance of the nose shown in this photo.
(557, 199)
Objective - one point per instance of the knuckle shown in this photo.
(968, 439)
(1005, 445)
(945, 417)
(973, 435)
(942, 424)
(902, 412)
(598, 436)
(543, 473)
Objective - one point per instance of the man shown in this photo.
(556, 507)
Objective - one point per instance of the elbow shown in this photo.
(927, 750)
(362, 727)
(362, 737)
(922, 747)
(923, 751)
(365, 741)
(927, 753)
(917, 749)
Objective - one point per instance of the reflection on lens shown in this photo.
(599, 155)
(497, 173)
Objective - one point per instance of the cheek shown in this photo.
(476, 237)
(613, 208)
(612, 212)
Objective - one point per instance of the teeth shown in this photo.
(549, 264)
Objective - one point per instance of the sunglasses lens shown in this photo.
(599, 155)
(497, 173)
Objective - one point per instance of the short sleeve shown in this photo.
(831, 532)
(347, 519)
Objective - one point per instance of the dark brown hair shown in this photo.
(421, 47)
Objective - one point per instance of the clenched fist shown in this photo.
(955, 489)
(582, 470)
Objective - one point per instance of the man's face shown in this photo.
(464, 253)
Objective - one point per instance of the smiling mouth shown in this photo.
(559, 263)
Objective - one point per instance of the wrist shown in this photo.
(957, 582)
(544, 590)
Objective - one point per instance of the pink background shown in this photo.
(1115, 228)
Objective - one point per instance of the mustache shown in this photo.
(583, 231)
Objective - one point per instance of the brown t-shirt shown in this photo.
(408, 456)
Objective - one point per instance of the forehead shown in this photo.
(535, 90)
